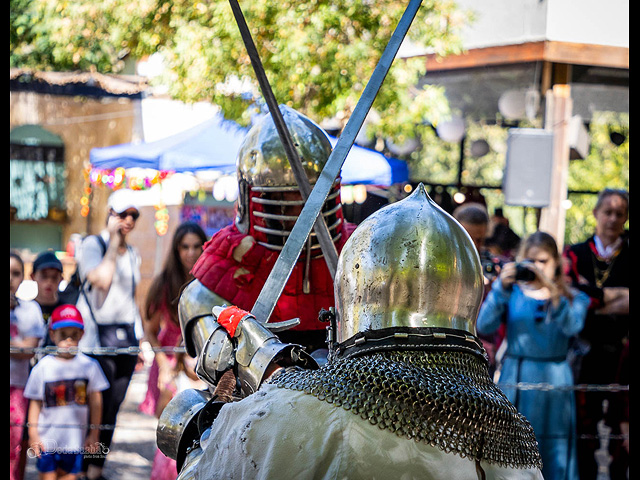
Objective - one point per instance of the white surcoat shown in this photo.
(283, 434)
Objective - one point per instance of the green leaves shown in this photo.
(318, 55)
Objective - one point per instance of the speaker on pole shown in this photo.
(527, 176)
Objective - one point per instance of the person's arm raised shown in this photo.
(102, 275)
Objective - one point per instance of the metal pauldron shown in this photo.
(177, 428)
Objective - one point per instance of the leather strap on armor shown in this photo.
(410, 338)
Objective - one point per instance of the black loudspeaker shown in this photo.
(527, 174)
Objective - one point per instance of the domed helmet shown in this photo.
(408, 273)
(269, 199)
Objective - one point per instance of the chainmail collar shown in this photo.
(443, 398)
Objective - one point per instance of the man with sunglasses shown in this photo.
(110, 270)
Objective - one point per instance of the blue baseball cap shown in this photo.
(47, 259)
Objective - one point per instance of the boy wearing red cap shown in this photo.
(65, 390)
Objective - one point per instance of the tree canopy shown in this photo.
(318, 55)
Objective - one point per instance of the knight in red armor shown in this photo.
(238, 259)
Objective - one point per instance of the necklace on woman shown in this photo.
(601, 275)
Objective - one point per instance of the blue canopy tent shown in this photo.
(365, 166)
(210, 145)
(213, 145)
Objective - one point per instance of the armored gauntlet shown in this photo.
(257, 350)
(223, 339)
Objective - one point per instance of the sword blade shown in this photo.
(322, 230)
(273, 287)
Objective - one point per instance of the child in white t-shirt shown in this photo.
(66, 396)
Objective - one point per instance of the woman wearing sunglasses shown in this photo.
(110, 270)
(541, 314)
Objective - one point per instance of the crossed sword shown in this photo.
(314, 198)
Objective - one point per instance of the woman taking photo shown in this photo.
(541, 314)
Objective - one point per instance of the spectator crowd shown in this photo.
(558, 319)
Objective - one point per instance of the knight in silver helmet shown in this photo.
(238, 259)
(406, 392)
(269, 198)
(232, 271)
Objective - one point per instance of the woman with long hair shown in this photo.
(541, 313)
(161, 325)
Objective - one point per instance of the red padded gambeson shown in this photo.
(240, 282)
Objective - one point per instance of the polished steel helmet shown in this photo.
(269, 200)
(408, 266)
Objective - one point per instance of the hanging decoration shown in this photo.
(85, 200)
(162, 219)
(132, 179)
(140, 179)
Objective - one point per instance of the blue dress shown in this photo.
(537, 336)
